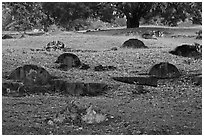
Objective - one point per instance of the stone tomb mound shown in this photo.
(55, 87)
(30, 75)
(104, 68)
(138, 80)
(55, 45)
(186, 51)
(133, 43)
(32, 79)
(78, 88)
(68, 60)
(164, 70)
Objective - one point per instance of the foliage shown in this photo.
(134, 11)
(173, 12)
(195, 11)
(66, 12)
(25, 15)
(6, 17)
(106, 12)
(120, 21)
(170, 12)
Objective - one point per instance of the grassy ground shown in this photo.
(174, 107)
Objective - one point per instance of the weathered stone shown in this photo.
(55, 86)
(30, 75)
(58, 85)
(148, 36)
(133, 43)
(144, 80)
(54, 45)
(78, 88)
(94, 89)
(68, 59)
(164, 70)
(8, 87)
(104, 68)
(71, 113)
(185, 51)
(75, 89)
(17, 89)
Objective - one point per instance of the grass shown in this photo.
(174, 107)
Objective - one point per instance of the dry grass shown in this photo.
(174, 107)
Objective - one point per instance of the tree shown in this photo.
(6, 17)
(195, 11)
(173, 12)
(169, 12)
(25, 15)
(134, 11)
(106, 11)
(64, 13)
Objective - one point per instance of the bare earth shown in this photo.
(173, 107)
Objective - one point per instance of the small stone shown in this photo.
(112, 117)
(50, 122)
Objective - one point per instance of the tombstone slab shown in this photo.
(68, 59)
(185, 50)
(144, 80)
(30, 75)
(133, 43)
(164, 70)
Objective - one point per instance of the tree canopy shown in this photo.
(25, 15)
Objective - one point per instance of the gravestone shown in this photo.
(30, 75)
(185, 51)
(138, 80)
(68, 60)
(133, 43)
(164, 70)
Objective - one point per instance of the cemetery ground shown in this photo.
(174, 107)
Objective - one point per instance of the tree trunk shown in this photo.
(133, 22)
